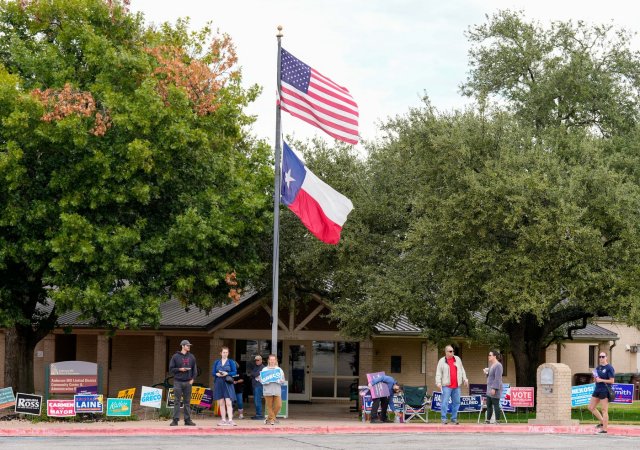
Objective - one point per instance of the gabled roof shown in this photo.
(401, 327)
(595, 332)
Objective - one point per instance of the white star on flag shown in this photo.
(288, 178)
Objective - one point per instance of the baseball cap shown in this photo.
(185, 342)
(258, 357)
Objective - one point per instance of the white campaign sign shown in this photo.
(151, 397)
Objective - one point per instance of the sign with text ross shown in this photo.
(66, 376)
(127, 393)
(378, 390)
(88, 404)
(522, 397)
(28, 404)
(151, 397)
(468, 403)
(7, 398)
(61, 408)
(119, 407)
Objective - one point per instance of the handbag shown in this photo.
(228, 379)
(612, 393)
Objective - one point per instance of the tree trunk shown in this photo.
(20, 343)
(526, 338)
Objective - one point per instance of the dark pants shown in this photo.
(493, 405)
(257, 400)
(382, 402)
(182, 389)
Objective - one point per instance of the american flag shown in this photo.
(314, 98)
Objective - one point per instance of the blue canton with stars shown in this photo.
(294, 72)
(293, 173)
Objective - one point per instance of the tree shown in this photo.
(127, 174)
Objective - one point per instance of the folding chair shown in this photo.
(416, 403)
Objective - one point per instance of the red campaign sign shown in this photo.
(522, 397)
(61, 408)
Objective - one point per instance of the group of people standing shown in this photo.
(227, 386)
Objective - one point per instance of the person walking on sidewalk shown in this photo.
(383, 402)
(272, 378)
(450, 375)
(257, 387)
(604, 376)
(223, 371)
(494, 386)
(184, 369)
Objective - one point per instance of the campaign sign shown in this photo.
(119, 407)
(477, 389)
(61, 408)
(505, 398)
(378, 390)
(624, 393)
(7, 398)
(581, 395)
(270, 375)
(171, 399)
(522, 397)
(127, 393)
(87, 390)
(468, 403)
(88, 403)
(151, 397)
(28, 404)
(207, 399)
(197, 392)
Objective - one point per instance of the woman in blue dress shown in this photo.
(604, 375)
(223, 391)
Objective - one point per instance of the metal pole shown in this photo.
(276, 211)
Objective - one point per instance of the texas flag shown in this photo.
(322, 209)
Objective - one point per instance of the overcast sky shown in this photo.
(387, 53)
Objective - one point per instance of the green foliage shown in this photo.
(144, 197)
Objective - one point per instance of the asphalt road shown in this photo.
(320, 441)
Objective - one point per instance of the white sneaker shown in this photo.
(232, 423)
(241, 416)
(222, 423)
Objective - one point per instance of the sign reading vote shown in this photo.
(468, 403)
(127, 393)
(61, 408)
(151, 397)
(270, 375)
(7, 398)
(119, 407)
(88, 403)
(522, 397)
(28, 404)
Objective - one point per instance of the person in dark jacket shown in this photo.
(257, 387)
(184, 369)
(383, 402)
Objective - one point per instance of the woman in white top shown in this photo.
(272, 390)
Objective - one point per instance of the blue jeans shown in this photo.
(257, 400)
(454, 394)
(239, 400)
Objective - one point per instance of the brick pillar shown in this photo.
(366, 361)
(214, 353)
(102, 358)
(160, 358)
(553, 406)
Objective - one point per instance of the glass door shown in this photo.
(298, 370)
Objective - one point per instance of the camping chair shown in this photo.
(416, 403)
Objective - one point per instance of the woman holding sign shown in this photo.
(224, 369)
(604, 376)
(272, 377)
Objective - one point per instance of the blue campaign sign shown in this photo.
(505, 398)
(88, 403)
(270, 375)
(581, 395)
(624, 393)
(468, 403)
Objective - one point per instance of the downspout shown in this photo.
(611, 354)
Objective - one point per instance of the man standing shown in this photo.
(257, 387)
(494, 386)
(183, 368)
(383, 402)
(450, 375)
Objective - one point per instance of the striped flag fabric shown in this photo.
(314, 98)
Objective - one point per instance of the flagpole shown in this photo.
(276, 211)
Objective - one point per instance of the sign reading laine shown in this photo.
(88, 403)
(28, 404)
(7, 398)
(151, 397)
(66, 376)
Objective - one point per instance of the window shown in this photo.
(593, 356)
(335, 368)
(396, 364)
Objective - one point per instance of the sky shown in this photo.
(388, 53)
